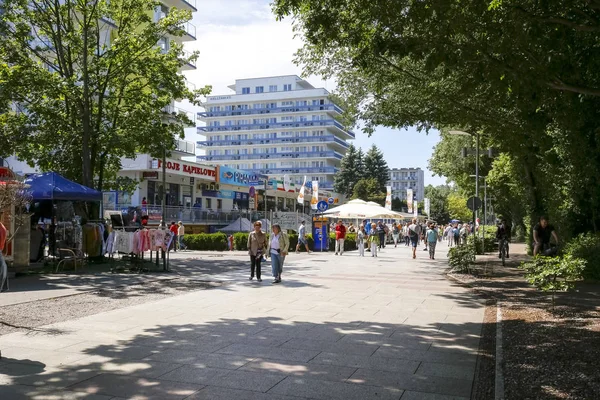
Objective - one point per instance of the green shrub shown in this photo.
(349, 242)
(461, 258)
(587, 247)
(490, 243)
(554, 273)
(240, 241)
(206, 241)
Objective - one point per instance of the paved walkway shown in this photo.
(336, 328)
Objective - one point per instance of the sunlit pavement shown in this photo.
(337, 327)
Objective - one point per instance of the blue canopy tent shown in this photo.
(52, 186)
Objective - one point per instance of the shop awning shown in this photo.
(239, 225)
(52, 186)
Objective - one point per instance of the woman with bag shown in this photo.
(277, 249)
(257, 243)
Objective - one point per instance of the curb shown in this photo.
(499, 375)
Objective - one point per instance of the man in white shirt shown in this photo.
(302, 238)
(414, 232)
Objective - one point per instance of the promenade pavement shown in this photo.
(337, 327)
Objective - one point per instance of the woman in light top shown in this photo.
(277, 249)
(360, 240)
(257, 243)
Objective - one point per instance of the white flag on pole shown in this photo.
(301, 193)
(388, 198)
(427, 206)
(415, 208)
(315, 195)
(409, 200)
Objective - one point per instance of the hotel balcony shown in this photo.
(184, 148)
(188, 65)
(171, 110)
(271, 156)
(189, 5)
(270, 111)
(274, 141)
(278, 125)
(297, 170)
(190, 31)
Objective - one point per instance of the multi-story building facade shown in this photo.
(275, 126)
(407, 178)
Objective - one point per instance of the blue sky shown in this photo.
(241, 39)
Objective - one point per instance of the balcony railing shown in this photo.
(185, 56)
(263, 111)
(276, 125)
(189, 28)
(297, 170)
(271, 156)
(186, 214)
(170, 109)
(185, 146)
(192, 3)
(282, 140)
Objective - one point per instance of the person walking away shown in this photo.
(424, 228)
(180, 234)
(230, 242)
(464, 233)
(174, 229)
(543, 232)
(448, 235)
(395, 234)
(406, 235)
(374, 240)
(257, 244)
(340, 235)
(432, 238)
(360, 240)
(277, 249)
(302, 238)
(381, 233)
(414, 231)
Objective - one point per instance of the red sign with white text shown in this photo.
(183, 168)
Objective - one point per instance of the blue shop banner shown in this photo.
(225, 194)
(237, 177)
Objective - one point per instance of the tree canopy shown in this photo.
(368, 189)
(90, 82)
(351, 170)
(376, 167)
(524, 74)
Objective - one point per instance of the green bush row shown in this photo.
(206, 241)
(489, 243)
(461, 258)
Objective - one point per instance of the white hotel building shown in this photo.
(407, 178)
(275, 126)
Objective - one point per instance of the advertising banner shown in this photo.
(287, 183)
(427, 206)
(301, 193)
(315, 195)
(388, 198)
(415, 208)
(237, 177)
(409, 200)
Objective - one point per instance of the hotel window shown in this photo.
(272, 88)
(246, 90)
(259, 89)
(287, 87)
(219, 204)
(208, 203)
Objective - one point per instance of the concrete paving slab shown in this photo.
(411, 395)
(274, 353)
(315, 389)
(220, 393)
(135, 387)
(418, 383)
(225, 361)
(330, 347)
(305, 370)
(378, 363)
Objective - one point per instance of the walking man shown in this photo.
(414, 231)
(432, 238)
(340, 235)
(302, 238)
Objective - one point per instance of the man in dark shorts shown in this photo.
(542, 233)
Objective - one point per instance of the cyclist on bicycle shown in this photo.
(543, 232)
(503, 234)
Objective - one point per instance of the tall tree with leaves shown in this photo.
(376, 167)
(438, 198)
(351, 171)
(92, 83)
(368, 189)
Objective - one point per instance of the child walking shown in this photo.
(374, 240)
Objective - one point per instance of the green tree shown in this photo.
(438, 198)
(457, 207)
(351, 171)
(522, 74)
(368, 189)
(91, 83)
(398, 204)
(376, 167)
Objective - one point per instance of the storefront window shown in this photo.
(208, 203)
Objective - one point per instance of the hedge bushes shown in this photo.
(218, 241)
(461, 258)
(206, 241)
(587, 247)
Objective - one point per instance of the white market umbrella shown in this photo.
(361, 209)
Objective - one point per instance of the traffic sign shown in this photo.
(322, 206)
(330, 200)
(474, 203)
